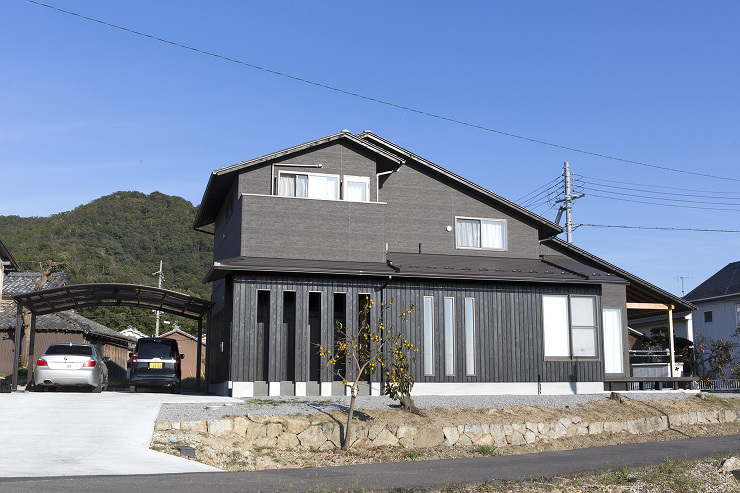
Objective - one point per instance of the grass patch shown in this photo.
(414, 454)
(487, 450)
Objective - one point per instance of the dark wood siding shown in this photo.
(508, 326)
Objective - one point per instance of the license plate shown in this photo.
(155, 365)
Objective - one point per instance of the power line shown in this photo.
(665, 228)
(554, 180)
(580, 179)
(664, 198)
(380, 101)
(659, 203)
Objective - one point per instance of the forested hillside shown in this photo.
(118, 238)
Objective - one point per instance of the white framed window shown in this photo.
(470, 336)
(613, 353)
(449, 336)
(310, 185)
(737, 315)
(569, 324)
(486, 234)
(428, 335)
(356, 188)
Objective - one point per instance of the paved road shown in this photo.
(379, 477)
(79, 433)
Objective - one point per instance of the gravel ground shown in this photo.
(287, 406)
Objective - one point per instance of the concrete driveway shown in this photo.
(78, 433)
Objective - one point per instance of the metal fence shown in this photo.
(720, 384)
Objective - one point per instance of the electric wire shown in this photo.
(665, 198)
(665, 228)
(554, 180)
(661, 204)
(387, 103)
(539, 196)
(672, 193)
(649, 185)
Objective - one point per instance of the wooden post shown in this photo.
(198, 354)
(670, 343)
(17, 345)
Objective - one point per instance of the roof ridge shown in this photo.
(732, 277)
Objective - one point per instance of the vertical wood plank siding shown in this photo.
(508, 326)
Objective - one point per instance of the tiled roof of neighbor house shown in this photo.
(23, 282)
(725, 282)
(415, 265)
(66, 321)
(180, 332)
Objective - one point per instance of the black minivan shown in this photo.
(155, 362)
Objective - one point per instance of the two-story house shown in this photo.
(718, 305)
(304, 236)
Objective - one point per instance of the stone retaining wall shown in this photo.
(304, 433)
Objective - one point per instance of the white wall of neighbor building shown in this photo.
(724, 318)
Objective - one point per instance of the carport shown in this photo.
(88, 295)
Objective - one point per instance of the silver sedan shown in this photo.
(71, 364)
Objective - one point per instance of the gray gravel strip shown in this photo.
(288, 406)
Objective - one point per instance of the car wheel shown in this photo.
(176, 388)
(132, 389)
(98, 388)
(52, 389)
(38, 388)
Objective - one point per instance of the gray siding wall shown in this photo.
(508, 335)
(421, 205)
(227, 228)
(416, 207)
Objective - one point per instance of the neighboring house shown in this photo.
(132, 331)
(188, 344)
(718, 305)
(8, 264)
(59, 327)
(304, 236)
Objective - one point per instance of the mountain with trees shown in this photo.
(119, 238)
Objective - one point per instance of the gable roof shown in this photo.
(725, 282)
(638, 290)
(545, 227)
(221, 179)
(7, 260)
(17, 283)
(182, 333)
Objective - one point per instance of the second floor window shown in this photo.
(314, 186)
(481, 233)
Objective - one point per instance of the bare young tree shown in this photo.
(48, 271)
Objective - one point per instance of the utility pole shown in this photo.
(160, 275)
(567, 206)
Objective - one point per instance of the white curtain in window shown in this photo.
(584, 341)
(557, 333)
(470, 336)
(613, 357)
(493, 234)
(301, 186)
(355, 191)
(323, 187)
(449, 336)
(286, 185)
(583, 311)
(468, 233)
(428, 335)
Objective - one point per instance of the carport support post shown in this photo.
(670, 339)
(16, 345)
(198, 354)
(31, 343)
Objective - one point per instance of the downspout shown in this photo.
(377, 182)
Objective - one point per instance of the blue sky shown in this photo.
(87, 109)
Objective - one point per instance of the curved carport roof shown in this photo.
(76, 296)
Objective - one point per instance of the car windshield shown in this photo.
(156, 349)
(69, 349)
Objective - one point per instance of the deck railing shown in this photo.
(720, 384)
